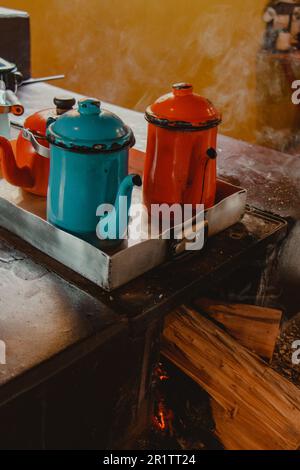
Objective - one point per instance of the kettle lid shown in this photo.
(37, 122)
(182, 109)
(90, 129)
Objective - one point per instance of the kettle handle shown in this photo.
(40, 149)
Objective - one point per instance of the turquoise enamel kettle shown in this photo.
(88, 167)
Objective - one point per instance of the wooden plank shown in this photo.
(256, 328)
(265, 405)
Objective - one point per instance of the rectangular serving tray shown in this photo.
(25, 215)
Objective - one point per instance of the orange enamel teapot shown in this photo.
(28, 168)
(180, 164)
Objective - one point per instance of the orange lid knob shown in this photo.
(182, 89)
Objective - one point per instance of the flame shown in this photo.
(163, 419)
(160, 421)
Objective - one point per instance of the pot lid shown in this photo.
(183, 109)
(90, 128)
(37, 122)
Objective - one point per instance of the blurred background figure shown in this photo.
(282, 26)
(278, 66)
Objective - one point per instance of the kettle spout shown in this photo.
(113, 226)
(11, 172)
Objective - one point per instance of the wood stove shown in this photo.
(80, 360)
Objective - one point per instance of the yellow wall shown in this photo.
(129, 52)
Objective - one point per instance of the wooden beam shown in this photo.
(256, 328)
(265, 406)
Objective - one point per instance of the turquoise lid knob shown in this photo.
(88, 106)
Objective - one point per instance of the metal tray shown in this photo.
(25, 215)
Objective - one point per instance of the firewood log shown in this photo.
(262, 409)
(256, 328)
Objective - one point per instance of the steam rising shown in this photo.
(131, 52)
(233, 84)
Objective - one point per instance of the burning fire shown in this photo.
(163, 417)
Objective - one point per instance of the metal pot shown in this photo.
(88, 167)
(180, 165)
(27, 167)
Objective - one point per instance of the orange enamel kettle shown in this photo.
(28, 168)
(180, 164)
